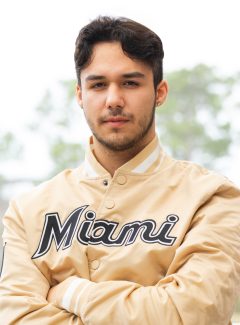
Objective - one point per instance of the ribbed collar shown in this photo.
(146, 161)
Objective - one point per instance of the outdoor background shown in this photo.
(42, 129)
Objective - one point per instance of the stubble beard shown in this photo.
(118, 143)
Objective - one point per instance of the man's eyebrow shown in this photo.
(93, 77)
(134, 75)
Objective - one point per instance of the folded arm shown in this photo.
(23, 288)
(200, 287)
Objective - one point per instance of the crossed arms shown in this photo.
(200, 287)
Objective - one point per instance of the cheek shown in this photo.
(145, 95)
(93, 100)
(92, 107)
(144, 101)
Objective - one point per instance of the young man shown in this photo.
(132, 236)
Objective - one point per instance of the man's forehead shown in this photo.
(109, 61)
(103, 46)
(109, 53)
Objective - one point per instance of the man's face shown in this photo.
(118, 98)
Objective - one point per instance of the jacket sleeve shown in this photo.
(200, 287)
(23, 288)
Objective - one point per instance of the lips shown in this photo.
(116, 121)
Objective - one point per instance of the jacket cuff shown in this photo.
(75, 298)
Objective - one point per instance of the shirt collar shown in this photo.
(146, 161)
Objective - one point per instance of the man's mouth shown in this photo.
(116, 121)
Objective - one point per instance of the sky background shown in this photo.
(37, 45)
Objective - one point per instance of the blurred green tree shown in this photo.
(56, 120)
(194, 123)
(9, 149)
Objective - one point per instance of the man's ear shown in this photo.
(79, 95)
(161, 92)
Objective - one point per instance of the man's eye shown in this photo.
(131, 83)
(98, 85)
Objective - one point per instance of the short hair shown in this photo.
(137, 41)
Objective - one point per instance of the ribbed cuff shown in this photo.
(76, 296)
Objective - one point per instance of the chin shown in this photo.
(119, 143)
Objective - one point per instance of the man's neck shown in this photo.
(111, 160)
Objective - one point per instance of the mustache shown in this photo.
(116, 112)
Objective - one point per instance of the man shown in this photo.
(132, 236)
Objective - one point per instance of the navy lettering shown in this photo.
(101, 232)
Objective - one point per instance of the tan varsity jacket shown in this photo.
(158, 244)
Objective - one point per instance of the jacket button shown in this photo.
(105, 182)
(121, 179)
(109, 204)
(95, 264)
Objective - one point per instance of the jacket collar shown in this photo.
(146, 161)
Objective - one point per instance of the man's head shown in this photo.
(119, 69)
(137, 41)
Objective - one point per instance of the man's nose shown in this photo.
(114, 97)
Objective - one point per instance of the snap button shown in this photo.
(95, 264)
(121, 179)
(105, 182)
(109, 204)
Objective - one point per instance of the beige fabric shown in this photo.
(159, 244)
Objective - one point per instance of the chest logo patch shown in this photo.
(89, 231)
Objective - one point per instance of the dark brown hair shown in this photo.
(138, 42)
